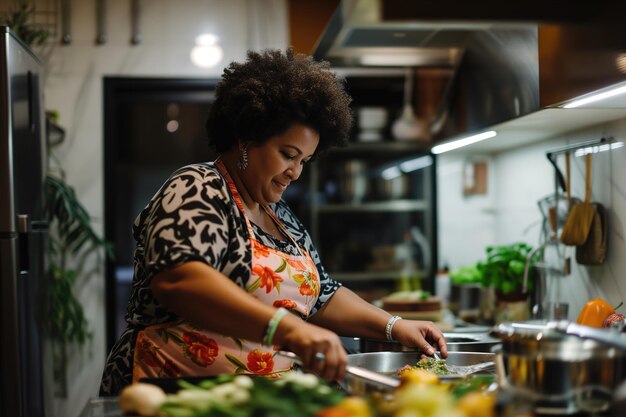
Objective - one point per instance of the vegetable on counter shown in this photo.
(294, 394)
(504, 267)
(615, 319)
(596, 312)
(142, 399)
(468, 274)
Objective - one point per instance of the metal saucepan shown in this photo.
(561, 367)
(389, 363)
(456, 342)
(358, 374)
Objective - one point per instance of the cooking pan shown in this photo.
(390, 362)
(456, 342)
(561, 366)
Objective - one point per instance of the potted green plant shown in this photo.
(19, 22)
(503, 270)
(71, 236)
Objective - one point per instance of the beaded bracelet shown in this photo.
(272, 325)
(389, 327)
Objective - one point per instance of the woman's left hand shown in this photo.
(423, 335)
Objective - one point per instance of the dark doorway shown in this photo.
(151, 128)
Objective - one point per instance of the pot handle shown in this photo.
(500, 367)
(370, 377)
(607, 337)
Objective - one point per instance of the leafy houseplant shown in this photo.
(503, 270)
(18, 21)
(71, 236)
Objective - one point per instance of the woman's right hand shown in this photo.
(320, 349)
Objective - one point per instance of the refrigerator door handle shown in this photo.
(23, 228)
(23, 223)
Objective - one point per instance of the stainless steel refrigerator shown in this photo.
(23, 229)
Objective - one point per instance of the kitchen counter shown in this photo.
(109, 407)
(102, 407)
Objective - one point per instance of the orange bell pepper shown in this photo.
(594, 313)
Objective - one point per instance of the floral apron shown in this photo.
(182, 349)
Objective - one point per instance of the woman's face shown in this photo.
(273, 165)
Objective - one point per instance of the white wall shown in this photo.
(73, 86)
(509, 213)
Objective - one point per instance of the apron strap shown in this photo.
(233, 189)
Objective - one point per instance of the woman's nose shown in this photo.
(294, 171)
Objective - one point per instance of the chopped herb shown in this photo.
(436, 366)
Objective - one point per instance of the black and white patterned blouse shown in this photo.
(193, 217)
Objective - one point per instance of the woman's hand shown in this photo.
(420, 334)
(320, 349)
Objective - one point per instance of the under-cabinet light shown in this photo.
(395, 170)
(598, 148)
(417, 163)
(391, 173)
(459, 143)
(392, 60)
(603, 95)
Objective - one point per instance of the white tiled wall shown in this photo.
(73, 87)
(509, 213)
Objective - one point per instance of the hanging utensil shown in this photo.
(407, 127)
(101, 37)
(134, 22)
(66, 23)
(578, 224)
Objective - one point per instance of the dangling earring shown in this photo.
(242, 164)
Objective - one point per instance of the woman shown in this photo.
(224, 272)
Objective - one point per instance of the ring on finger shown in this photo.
(319, 356)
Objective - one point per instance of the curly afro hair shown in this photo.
(272, 90)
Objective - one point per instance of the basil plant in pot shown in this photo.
(503, 271)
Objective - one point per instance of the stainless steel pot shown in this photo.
(557, 371)
(353, 184)
(390, 362)
(457, 342)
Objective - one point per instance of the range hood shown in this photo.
(500, 70)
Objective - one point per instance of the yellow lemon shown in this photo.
(477, 404)
(355, 406)
(419, 376)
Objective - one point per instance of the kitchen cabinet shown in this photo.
(537, 127)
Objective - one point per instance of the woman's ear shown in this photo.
(242, 163)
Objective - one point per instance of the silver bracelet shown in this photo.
(389, 327)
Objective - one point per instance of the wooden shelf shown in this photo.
(391, 206)
(386, 146)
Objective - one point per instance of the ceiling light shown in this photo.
(172, 126)
(603, 95)
(206, 39)
(207, 52)
(459, 143)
